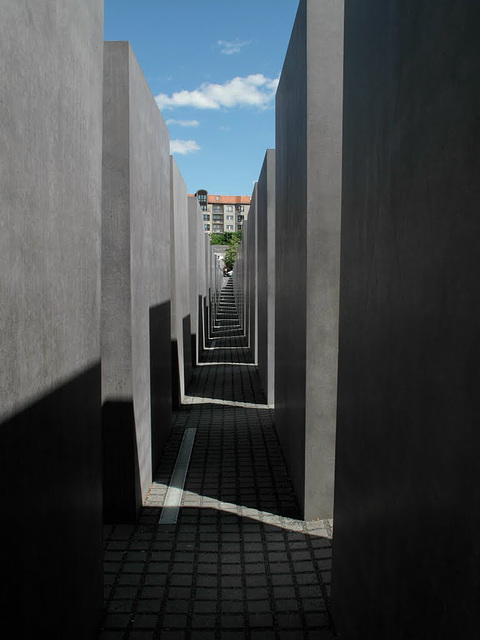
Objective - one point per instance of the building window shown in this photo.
(203, 207)
(218, 208)
(239, 227)
(240, 218)
(229, 227)
(229, 217)
(202, 196)
(239, 208)
(229, 207)
(206, 216)
(218, 227)
(206, 227)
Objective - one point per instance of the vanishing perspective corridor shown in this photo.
(220, 553)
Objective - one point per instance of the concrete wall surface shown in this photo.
(216, 282)
(252, 275)
(50, 195)
(135, 329)
(198, 277)
(406, 558)
(180, 275)
(307, 250)
(239, 282)
(266, 274)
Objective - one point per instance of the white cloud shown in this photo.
(251, 91)
(183, 123)
(232, 47)
(184, 147)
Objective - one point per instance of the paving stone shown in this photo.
(207, 581)
(205, 606)
(173, 635)
(159, 579)
(176, 606)
(232, 621)
(151, 606)
(203, 621)
(316, 619)
(152, 592)
(264, 620)
(231, 581)
(290, 620)
(231, 606)
(141, 634)
(291, 635)
(144, 621)
(262, 634)
(175, 620)
(205, 593)
(120, 606)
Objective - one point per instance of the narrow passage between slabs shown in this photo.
(220, 550)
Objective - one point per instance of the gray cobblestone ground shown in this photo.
(239, 563)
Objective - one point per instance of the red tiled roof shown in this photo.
(228, 199)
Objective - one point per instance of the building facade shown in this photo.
(223, 213)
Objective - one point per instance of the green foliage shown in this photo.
(231, 255)
(232, 239)
(226, 238)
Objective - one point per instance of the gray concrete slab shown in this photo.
(251, 256)
(198, 278)
(308, 195)
(50, 208)
(135, 328)
(407, 480)
(180, 274)
(266, 274)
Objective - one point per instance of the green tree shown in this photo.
(231, 254)
(226, 238)
(232, 239)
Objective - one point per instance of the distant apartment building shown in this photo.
(223, 213)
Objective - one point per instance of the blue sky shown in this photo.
(212, 66)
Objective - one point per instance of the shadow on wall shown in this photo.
(186, 370)
(160, 378)
(51, 479)
(121, 470)
(187, 345)
(198, 338)
(122, 496)
(175, 381)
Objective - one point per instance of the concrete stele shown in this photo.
(308, 200)
(135, 327)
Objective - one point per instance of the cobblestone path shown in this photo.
(237, 562)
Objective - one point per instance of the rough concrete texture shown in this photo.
(407, 545)
(216, 282)
(252, 275)
(180, 275)
(308, 193)
(198, 277)
(135, 327)
(50, 194)
(266, 274)
(239, 282)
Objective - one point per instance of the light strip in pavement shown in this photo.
(173, 499)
